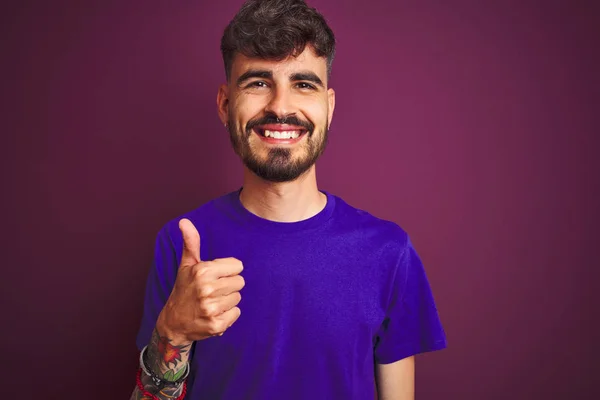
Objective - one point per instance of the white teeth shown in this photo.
(282, 134)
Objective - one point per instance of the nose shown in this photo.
(280, 103)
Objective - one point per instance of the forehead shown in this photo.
(305, 61)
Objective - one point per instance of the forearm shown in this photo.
(168, 392)
(202, 304)
(396, 381)
(166, 360)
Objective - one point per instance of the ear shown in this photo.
(223, 104)
(331, 101)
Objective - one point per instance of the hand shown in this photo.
(205, 296)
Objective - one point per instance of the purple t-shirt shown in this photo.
(325, 299)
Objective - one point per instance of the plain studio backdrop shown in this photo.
(474, 125)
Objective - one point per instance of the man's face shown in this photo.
(278, 113)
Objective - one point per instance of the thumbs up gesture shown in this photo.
(204, 299)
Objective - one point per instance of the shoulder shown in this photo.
(201, 217)
(372, 229)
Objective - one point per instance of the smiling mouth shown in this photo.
(270, 135)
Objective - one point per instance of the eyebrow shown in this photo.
(308, 76)
(254, 73)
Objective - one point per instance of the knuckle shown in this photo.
(206, 290)
(207, 309)
(210, 328)
(200, 270)
(215, 326)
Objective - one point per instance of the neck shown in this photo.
(283, 202)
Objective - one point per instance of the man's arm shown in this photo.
(202, 304)
(166, 360)
(396, 381)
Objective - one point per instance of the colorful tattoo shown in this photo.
(168, 392)
(167, 361)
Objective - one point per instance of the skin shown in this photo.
(279, 201)
(202, 304)
(396, 381)
(204, 300)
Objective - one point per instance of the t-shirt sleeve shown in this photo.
(159, 284)
(412, 324)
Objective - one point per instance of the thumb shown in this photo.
(191, 242)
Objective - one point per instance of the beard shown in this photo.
(280, 164)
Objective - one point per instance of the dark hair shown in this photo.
(275, 30)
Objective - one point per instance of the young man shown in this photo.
(335, 301)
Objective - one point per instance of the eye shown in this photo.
(257, 84)
(305, 85)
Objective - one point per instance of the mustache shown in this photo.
(273, 119)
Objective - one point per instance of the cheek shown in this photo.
(317, 113)
(247, 107)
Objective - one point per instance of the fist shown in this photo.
(204, 299)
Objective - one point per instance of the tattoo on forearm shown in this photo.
(168, 392)
(168, 362)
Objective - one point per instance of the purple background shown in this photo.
(473, 126)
